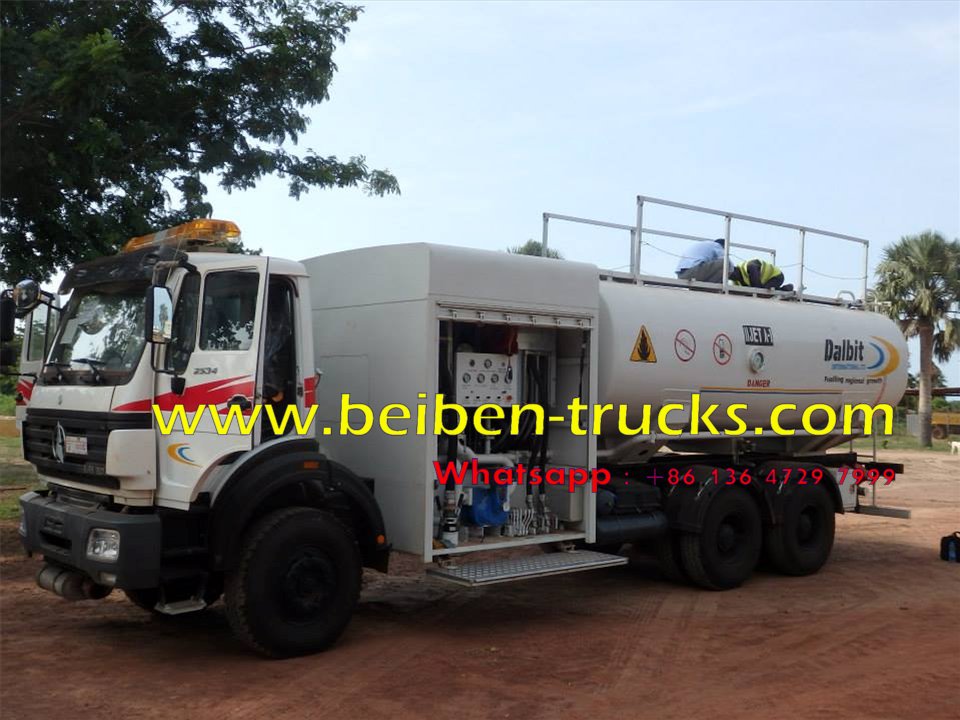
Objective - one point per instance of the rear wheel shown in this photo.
(296, 585)
(801, 543)
(724, 553)
(939, 432)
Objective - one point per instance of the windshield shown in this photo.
(101, 336)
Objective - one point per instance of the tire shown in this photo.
(938, 432)
(147, 598)
(667, 550)
(801, 543)
(725, 552)
(296, 585)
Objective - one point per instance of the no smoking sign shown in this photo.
(722, 349)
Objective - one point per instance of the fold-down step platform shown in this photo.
(488, 572)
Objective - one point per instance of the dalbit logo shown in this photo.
(847, 354)
(843, 350)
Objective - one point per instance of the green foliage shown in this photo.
(109, 106)
(8, 383)
(919, 277)
(919, 285)
(534, 247)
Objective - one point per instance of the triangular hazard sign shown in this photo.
(643, 348)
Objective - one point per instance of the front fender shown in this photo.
(306, 478)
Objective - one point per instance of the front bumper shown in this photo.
(59, 531)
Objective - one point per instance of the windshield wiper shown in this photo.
(56, 366)
(92, 364)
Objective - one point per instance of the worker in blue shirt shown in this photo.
(703, 261)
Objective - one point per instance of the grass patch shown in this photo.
(16, 477)
(899, 442)
(7, 405)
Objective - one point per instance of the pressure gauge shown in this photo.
(466, 378)
(757, 361)
(494, 378)
(481, 377)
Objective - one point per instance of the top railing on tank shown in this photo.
(638, 231)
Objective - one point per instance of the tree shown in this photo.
(919, 277)
(113, 115)
(534, 247)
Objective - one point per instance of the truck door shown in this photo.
(282, 376)
(38, 330)
(215, 351)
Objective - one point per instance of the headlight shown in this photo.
(103, 545)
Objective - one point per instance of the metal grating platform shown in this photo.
(520, 568)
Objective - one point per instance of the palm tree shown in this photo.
(919, 278)
(534, 247)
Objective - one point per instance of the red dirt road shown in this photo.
(876, 634)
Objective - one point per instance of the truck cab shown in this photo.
(173, 323)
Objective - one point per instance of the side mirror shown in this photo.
(8, 309)
(26, 296)
(159, 315)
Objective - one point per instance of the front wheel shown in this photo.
(296, 585)
(725, 551)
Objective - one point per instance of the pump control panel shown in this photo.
(486, 378)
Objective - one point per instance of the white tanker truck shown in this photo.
(282, 523)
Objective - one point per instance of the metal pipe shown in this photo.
(803, 240)
(758, 248)
(726, 254)
(627, 528)
(750, 218)
(587, 221)
(543, 240)
(639, 237)
(866, 271)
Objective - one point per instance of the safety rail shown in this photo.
(637, 232)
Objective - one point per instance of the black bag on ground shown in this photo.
(950, 547)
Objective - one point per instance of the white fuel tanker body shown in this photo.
(730, 349)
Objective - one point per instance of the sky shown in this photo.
(840, 116)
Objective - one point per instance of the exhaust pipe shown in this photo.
(70, 584)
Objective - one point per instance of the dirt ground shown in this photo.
(875, 634)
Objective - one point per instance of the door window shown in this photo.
(229, 309)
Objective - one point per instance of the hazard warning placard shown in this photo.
(643, 348)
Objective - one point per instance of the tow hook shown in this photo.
(70, 584)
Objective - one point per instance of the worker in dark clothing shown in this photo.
(759, 274)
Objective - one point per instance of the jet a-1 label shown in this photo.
(757, 335)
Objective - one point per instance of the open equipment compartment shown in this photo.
(379, 318)
(510, 359)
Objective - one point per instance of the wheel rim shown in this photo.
(308, 585)
(730, 536)
(809, 527)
